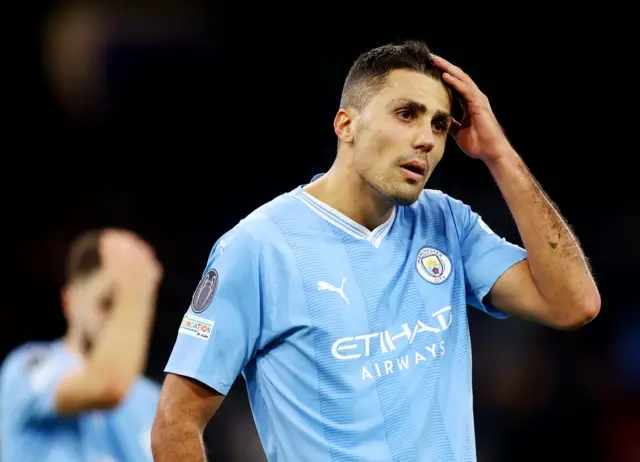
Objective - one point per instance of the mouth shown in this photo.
(414, 170)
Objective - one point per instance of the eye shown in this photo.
(405, 114)
(440, 126)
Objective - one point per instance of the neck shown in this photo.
(345, 191)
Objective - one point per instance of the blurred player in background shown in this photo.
(82, 398)
(344, 302)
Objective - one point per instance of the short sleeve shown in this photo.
(30, 380)
(486, 257)
(219, 332)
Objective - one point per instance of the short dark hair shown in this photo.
(370, 71)
(83, 257)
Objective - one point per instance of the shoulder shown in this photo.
(436, 197)
(32, 359)
(434, 203)
(259, 229)
(28, 356)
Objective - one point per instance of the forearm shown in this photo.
(558, 266)
(176, 441)
(120, 352)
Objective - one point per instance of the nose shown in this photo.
(425, 141)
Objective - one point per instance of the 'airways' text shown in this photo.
(403, 363)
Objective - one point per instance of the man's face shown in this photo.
(399, 137)
(89, 302)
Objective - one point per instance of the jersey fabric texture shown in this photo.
(354, 343)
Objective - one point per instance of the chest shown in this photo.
(358, 300)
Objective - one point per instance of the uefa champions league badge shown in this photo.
(205, 292)
(433, 265)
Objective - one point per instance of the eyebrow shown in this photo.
(419, 107)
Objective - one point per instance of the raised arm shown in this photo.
(554, 286)
(130, 274)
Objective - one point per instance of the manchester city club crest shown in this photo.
(433, 265)
(205, 291)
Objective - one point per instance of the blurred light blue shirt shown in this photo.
(31, 430)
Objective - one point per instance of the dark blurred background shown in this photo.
(177, 118)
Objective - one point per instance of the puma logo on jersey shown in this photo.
(322, 285)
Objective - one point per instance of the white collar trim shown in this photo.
(346, 224)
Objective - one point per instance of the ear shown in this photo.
(343, 125)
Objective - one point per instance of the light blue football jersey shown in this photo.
(354, 343)
(31, 430)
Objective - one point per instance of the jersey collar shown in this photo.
(343, 222)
